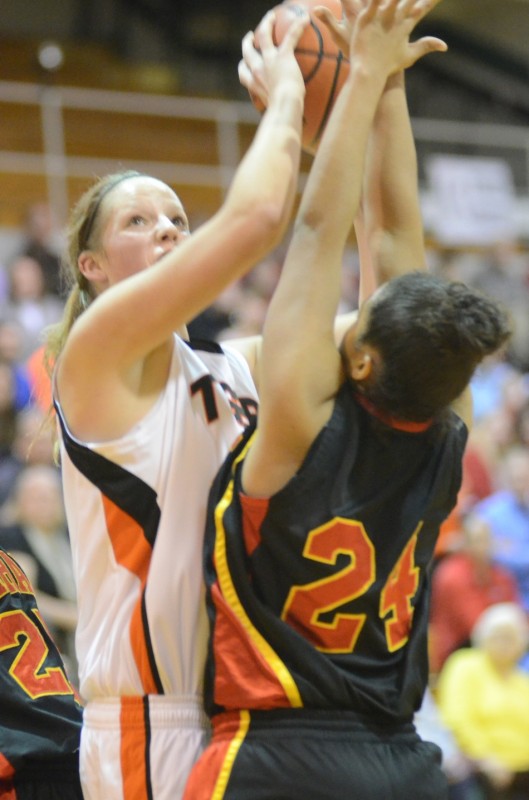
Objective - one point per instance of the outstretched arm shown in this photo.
(388, 226)
(301, 368)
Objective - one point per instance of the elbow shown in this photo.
(310, 220)
(273, 219)
(264, 226)
(319, 232)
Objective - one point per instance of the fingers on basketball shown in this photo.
(323, 65)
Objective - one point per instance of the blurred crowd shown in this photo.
(478, 707)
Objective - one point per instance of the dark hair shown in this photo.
(431, 335)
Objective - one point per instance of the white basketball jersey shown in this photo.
(136, 510)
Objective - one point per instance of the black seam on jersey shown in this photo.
(330, 99)
(131, 495)
(147, 724)
(149, 648)
(127, 491)
(203, 344)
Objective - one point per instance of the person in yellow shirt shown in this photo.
(483, 697)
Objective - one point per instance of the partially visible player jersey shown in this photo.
(40, 715)
(318, 596)
(136, 510)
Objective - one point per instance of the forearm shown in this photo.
(267, 175)
(335, 181)
(393, 221)
(329, 204)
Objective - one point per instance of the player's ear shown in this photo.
(90, 267)
(360, 365)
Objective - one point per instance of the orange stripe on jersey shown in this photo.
(131, 548)
(134, 749)
(253, 513)
(7, 770)
(275, 676)
(244, 677)
(133, 551)
(7, 792)
(210, 780)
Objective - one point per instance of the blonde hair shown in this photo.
(82, 234)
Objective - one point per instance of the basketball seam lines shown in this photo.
(320, 52)
(330, 100)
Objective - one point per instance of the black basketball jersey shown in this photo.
(318, 596)
(41, 716)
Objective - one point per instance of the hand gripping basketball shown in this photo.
(322, 63)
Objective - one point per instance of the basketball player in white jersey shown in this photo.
(146, 418)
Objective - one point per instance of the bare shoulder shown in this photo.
(118, 398)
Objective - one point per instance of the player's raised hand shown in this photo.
(265, 66)
(380, 35)
(340, 29)
(391, 12)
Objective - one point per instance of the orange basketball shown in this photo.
(322, 64)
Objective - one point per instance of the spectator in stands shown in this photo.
(521, 425)
(249, 317)
(11, 337)
(507, 512)
(32, 444)
(500, 392)
(483, 697)
(477, 484)
(488, 383)
(219, 316)
(34, 441)
(458, 768)
(502, 272)
(8, 418)
(503, 275)
(29, 304)
(43, 241)
(39, 379)
(464, 584)
(38, 539)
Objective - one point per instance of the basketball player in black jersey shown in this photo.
(40, 720)
(323, 521)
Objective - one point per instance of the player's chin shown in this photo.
(164, 254)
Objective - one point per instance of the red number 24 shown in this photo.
(305, 605)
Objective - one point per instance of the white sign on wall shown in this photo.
(473, 200)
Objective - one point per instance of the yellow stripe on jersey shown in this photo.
(229, 593)
(233, 749)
